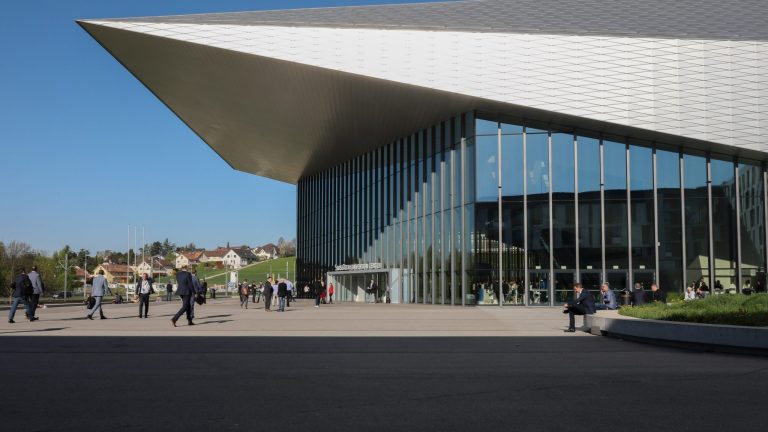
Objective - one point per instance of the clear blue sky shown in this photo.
(81, 141)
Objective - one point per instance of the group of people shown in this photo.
(583, 302)
(276, 293)
(26, 289)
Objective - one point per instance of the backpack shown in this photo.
(26, 286)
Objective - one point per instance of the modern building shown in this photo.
(487, 152)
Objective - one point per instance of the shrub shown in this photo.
(736, 309)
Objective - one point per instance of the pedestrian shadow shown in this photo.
(213, 322)
(217, 316)
(49, 329)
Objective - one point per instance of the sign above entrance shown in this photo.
(353, 267)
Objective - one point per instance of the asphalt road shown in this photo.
(199, 383)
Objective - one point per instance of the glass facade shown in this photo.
(475, 211)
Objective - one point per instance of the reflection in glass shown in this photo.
(487, 163)
(724, 218)
(641, 200)
(615, 175)
(696, 220)
(590, 225)
(670, 275)
(537, 178)
(563, 203)
(752, 227)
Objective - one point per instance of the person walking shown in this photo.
(144, 290)
(289, 296)
(317, 288)
(20, 285)
(374, 289)
(186, 291)
(99, 287)
(244, 294)
(330, 293)
(168, 291)
(268, 294)
(252, 290)
(282, 291)
(37, 290)
(259, 292)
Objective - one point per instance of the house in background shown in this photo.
(270, 250)
(214, 256)
(115, 273)
(188, 258)
(158, 267)
(237, 258)
(261, 254)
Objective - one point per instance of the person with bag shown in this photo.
(186, 291)
(144, 290)
(22, 289)
(98, 288)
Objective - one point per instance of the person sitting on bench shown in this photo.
(583, 304)
(609, 298)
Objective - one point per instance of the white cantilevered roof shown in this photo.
(284, 94)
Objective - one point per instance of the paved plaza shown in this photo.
(352, 367)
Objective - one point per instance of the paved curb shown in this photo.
(707, 337)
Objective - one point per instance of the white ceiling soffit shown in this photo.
(700, 89)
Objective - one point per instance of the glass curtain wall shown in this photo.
(563, 215)
(752, 227)
(474, 211)
(668, 196)
(696, 208)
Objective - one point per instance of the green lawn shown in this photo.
(256, 272)
(733, 309)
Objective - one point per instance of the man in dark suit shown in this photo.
(657, 295)
(268, 294)
(185, 290)
(317, 288)
(583, 304)
(22, 289)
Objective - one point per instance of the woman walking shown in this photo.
(330, 293)
(144, 290)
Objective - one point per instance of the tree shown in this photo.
(156, 248)
(167, 247)
(286, 248)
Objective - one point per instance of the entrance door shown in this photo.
(538, 288)
(618, 280)
(563, 285)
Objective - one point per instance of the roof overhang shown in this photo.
(286, 120)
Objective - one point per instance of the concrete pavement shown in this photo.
(362, 367)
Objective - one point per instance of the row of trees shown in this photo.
(54, 268)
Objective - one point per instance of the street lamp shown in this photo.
(65, 266)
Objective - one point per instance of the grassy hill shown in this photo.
(255, 272)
